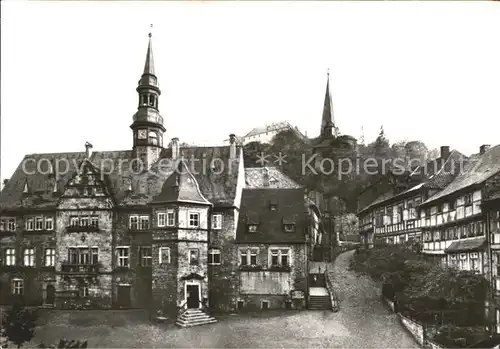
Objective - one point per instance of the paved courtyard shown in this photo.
(362, 322)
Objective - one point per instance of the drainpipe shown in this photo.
(491, 308)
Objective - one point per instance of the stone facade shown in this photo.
(123, 229)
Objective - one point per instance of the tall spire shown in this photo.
(327, 124)
(148, 126)
(149, 67)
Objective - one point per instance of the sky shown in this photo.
(426, 71)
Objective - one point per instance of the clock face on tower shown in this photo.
(142, 134)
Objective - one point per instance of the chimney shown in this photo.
(232, 146)
(265, 177)
(5, 181)
(445, 152)
(484, 148)
(88, 150)
(175, 148)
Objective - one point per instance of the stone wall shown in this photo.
(416, 329)
(432, 345)
(37, 278)
(223, 278)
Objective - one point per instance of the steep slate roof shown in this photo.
(445, 174)
(466, 245)
(218, 185)
(181, 186)
(440, 172)
(476, 171)
(255, 209)
(256, 176)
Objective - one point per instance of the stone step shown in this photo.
(194, 323)
(195, 318)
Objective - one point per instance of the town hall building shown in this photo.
(154, 227)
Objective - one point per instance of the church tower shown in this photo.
(328, 128)
(148, 126)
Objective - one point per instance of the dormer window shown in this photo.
(273, 205)
(289, 224)
(273, 182)
(252, 228)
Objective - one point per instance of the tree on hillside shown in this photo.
(287, 150)
(253, 152)
(19, 324)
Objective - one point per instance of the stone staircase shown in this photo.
(194, 317)
(320, 303)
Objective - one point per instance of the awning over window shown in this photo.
(467, 245)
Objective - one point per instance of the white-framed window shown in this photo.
(194, 220)
(497, 316)
(162, 219)
(29, 257)
(83, 291)
(170, 218)
(146, 257)
(123, 256)
(143, 222)
(474, 255)
(10, 256)
(453, 257)
(217, 221)
(38, 223)
(252, 228)
(133, 222)
(12, 224)
(244, 257)
(30, 224)
(214, 257)
(463, 256)
(50, 257)
(49, 223)
(279, 257)
(94, 221)
(249, 256)
(73, 221)
(84, 221)
(194, 256)
(137, 222)
(164, 257)
(17, 286)
(274, 257)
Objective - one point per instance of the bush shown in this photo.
(19, 324)
(425, 291)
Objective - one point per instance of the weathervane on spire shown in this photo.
(328, 72)
(151, 26)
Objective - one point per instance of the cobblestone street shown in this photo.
(362, 322)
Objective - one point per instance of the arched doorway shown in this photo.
(51, 294)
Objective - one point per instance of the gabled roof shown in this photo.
(255, 209)
(218, 185)
(255, 177)
(181, 186)
(439, 172)
(443, 174)
(476, 170)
